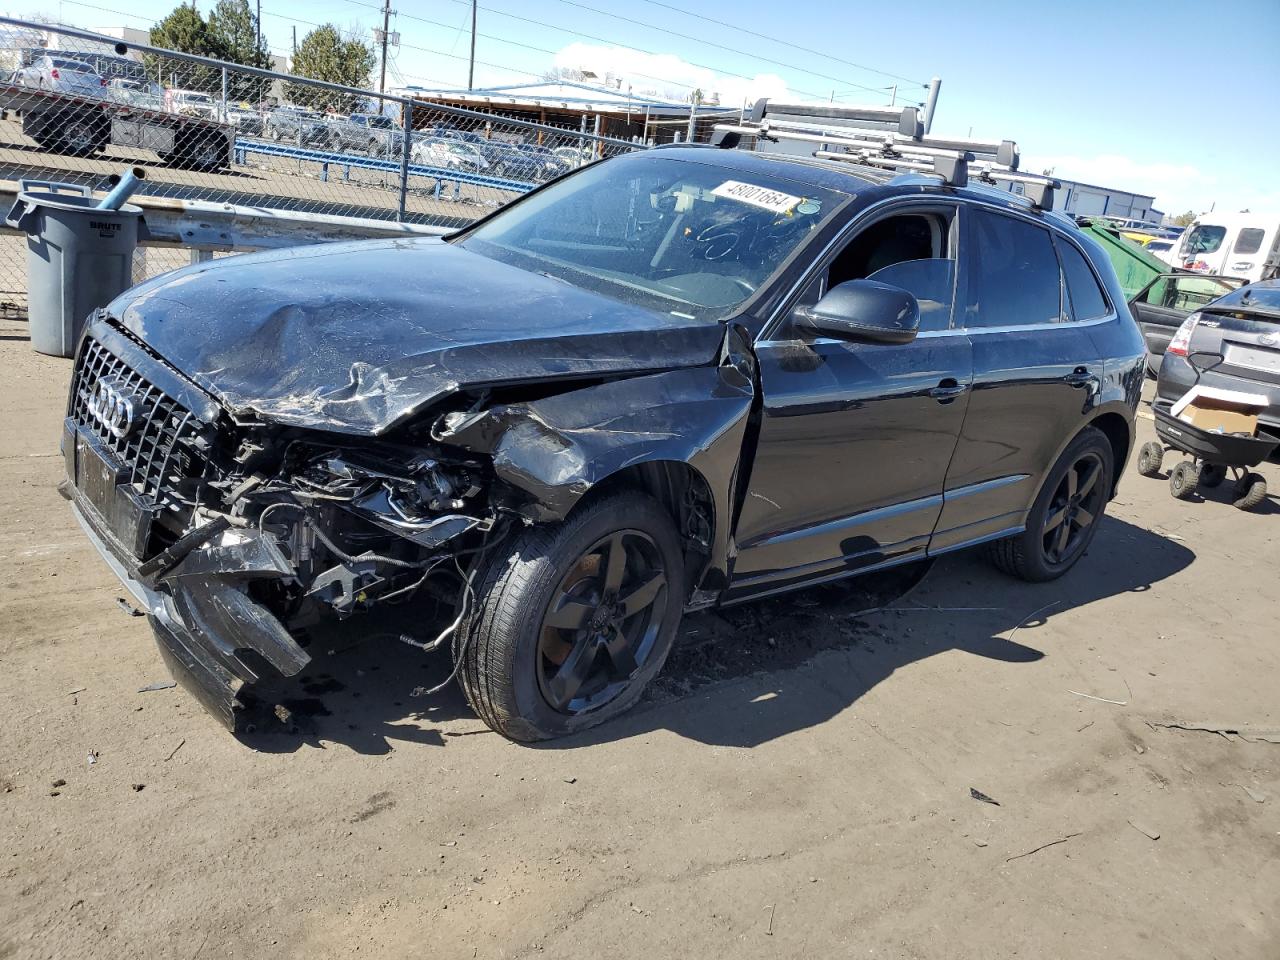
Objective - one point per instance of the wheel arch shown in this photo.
(677, 435)
(683, 492)
(1115, 422)
(1119, 432)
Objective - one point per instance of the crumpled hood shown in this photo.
(355, 337)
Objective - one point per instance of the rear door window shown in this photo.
(1085, 298)
(1184, 292)
(1013, 272)
(1249, 241)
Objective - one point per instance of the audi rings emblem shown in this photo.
(114, 408)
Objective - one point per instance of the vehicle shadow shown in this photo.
(369, 696)
(966, 605)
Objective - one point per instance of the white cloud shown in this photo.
(667, 75)
(1166, 181)
(1176, 186)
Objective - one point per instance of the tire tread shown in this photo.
(488, 643)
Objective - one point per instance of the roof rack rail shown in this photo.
(905, 148)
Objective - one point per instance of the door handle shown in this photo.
(948, 389)
(1079, 377)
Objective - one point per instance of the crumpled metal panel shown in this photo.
(556, 449)
(356, 337)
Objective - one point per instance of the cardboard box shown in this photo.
(1220, 411)
(1218, 417)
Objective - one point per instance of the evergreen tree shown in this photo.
(234, 32)
(324, 54)
(186, 31)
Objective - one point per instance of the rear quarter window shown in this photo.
(1085, 298)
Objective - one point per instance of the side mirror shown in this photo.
(863, 311)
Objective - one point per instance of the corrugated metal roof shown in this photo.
(558, 94)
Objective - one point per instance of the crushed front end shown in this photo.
(237, 537)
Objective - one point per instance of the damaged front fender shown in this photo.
(555, 450)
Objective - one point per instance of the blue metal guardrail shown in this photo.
(327, 159)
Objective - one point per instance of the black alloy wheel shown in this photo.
(1074, 507)
(602, 622)
(571, 620)
(1065, 516)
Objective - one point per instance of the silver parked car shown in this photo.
(61, 75)
(449, 154)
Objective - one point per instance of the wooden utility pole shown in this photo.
(386, 27)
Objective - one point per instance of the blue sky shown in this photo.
(1177, 98)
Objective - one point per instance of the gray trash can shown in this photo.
(79, 258)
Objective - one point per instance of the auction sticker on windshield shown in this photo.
(773, 200)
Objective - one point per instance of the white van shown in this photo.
(1245, 245)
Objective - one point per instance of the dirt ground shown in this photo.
(801, 783)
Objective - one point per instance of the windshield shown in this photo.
(75, 66)
(1203, 239)
(382, 123)
(687, 238)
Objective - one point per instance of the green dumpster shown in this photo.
(1134, 266)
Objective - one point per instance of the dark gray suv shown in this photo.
(671, 380)
(1238, 339)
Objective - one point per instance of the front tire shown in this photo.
(1183, 480)
(572, 621)
(1149, 459)
(1065, 516)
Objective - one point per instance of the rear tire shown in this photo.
(509, 668)
(81, 137)
(1149, 459)
(195, 152)
(1039, 553)
(1250, 491)
(1183, 480)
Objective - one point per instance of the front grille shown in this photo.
(160, 445)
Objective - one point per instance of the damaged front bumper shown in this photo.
(216, 640)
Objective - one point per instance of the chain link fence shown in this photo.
(77, 107)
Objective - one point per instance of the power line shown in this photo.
(700, 40)
(709, 43)
(498, 39)
(653, 53)
(785, 43)
(517, 43)
(410, 46)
